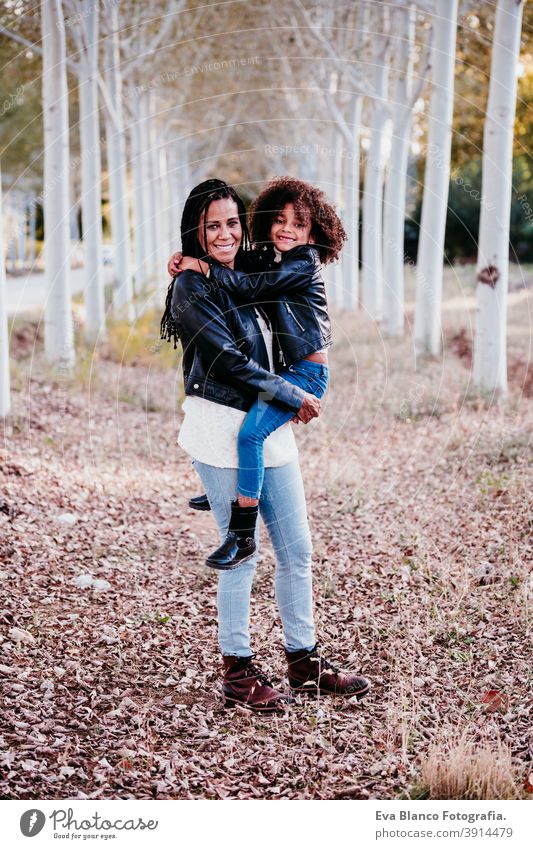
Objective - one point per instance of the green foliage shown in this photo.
(155, 617)
(464, 203)
(472, 75)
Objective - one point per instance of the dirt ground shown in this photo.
(419, 498)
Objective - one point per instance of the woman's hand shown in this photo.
(310, 408)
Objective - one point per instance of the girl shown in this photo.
(292, 220)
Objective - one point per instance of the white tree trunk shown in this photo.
(168, 188)
(91, 176)
(490, 356)
(186, 181)
(178, 194)
(139, 212)
(395, 187)
(372, 288)
(159, 191)
(436, 181)
(118, 184)
(143, 207)
(74, 231)
(149, 172)
(351, 250)
(58, 336)
(22, 231)
(12, 238)
(33, 228)
(337, 193)
(5, 395)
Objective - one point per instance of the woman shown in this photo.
(226, 366)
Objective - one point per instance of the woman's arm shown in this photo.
(205, 324)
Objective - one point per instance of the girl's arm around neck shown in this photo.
(296, 273)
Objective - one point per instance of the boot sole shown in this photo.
(199, 507)
(214, 565)
(230, 703)
(315, 692)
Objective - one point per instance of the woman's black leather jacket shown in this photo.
(294, 295)
(224, 355)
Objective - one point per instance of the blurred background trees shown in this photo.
(339, 93)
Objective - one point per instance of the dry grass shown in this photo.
(139, 343)
(457, 767)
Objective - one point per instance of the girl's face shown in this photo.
(290, 229)
(222, 229)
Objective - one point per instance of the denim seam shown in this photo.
(286, 547)
(233, 638)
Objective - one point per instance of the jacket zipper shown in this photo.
(281, 358)
(294, 317)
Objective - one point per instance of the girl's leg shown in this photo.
(284, 512)
(263, 419)
(234, 587)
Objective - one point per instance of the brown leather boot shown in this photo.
(244, 684)
(310, 673)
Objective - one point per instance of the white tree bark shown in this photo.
(23, 201)
(58, 336)
(353, 202)
(33, 228)
(336, 290)
(168, 188)
(395, 187)
(116, 162)
(436, 181)
(158, 190)
(372, 276)
(140, 272)
(5, 394)
(150, 184)
(13, 240)
(143, 208)
(91, 174)
(351, 250)
(178, 194)
(490, 355)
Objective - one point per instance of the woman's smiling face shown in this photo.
(222, 229)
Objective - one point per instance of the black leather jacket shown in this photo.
(224, 355)
(294, 295)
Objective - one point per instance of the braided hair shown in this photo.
(197, 203)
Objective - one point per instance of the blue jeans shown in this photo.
(265, 417)
(283, 510)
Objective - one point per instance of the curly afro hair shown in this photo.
(311, 203)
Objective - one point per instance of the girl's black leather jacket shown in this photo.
(224, 355)
(293, 294)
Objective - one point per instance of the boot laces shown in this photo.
(325, 664)
(251, 667)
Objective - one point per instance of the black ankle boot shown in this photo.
(199, 502)
(239, 543)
